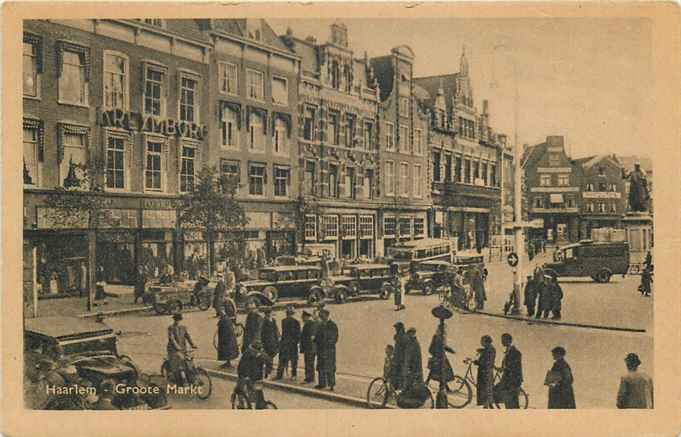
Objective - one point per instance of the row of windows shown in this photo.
(463, 170)
(257, 177)
(546, 180)
(228, 80)
(336, 184)
(600, 207)
(256, 130)
(404, 225)
(570, 202)
(352, 128)
(403, 185)
(602, 186)
(403, 143)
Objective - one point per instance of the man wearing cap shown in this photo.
(270, 339)
(307, 345)
(219, 294)
(327, 337)
(288, 348)
(636, 388)
(178, 338)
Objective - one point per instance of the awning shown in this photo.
(556, 198)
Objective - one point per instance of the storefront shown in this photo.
(402, 226)
(61, 263)
(116, 255)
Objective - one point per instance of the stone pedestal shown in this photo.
(639, 231)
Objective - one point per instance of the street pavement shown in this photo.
(596, 356)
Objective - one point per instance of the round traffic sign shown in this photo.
(512, 259)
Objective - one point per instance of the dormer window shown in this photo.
(156, 22)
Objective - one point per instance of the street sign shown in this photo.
(512, 259)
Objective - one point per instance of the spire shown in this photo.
(463, 64)
(440, 98)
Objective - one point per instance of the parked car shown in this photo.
(356, 279)
(176, 296)
(428, 276)
(286, 281)
(74, 352)
(297, 260)
(598, 260)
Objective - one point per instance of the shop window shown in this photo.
(189, 99)
(73, 166)
(279, 90)
(229, 128)
(280, 137)
(333, 136)
(256, 180)
(417, 181)
(73, 79)
(61, 267)
(155, 90)
(116, 81)
(404, 179)
(389, 178)
(116, 163)
(228, 78)
(310, 227)
(282, 177)
(255, 85)
(308, 124)
(32, 165)
(545, 180)
(369, 134)
(188, 168)
(154, 170)
(389, 136)
(255, 132)
(231, 170)
(404, 139)
(31, 66)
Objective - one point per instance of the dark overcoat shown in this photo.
(228, 349)
(270, 337)
(530, 300)
(485, 375)
(252, 330)
(545, 296)
(512, 376)
(556, 296)
(412, 365)
(327, 337)
(219, 294)
(561, 395)
(435, 361)
(307, 337)
(398, 358)
(290, 337)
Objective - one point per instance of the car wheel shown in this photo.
(341, 296)
(174, 306)
(161, 309)
(314, 297)
(427, 289)
(603, 276)
(204, 302)
(385, 291)
(271, 294)
(254, 300)
(126, 359)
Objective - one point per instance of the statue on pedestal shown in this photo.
(638, 188)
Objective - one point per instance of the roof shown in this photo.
(431, 84)
(590, 161)
(308, 56)
(188, 28)
(61, 326)
(383, 71)
(239, 27)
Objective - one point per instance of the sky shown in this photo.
(583, 78)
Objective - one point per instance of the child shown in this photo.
(388, 362)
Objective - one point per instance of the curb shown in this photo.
(551, 322)
(304, 391)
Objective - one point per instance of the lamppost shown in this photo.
(442, 313)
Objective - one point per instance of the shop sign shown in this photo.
(147, 123)
(158, 218)
(158, 204)
(601, 195)
(62, 218)
(117, 218)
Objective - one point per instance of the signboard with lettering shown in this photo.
(159, 218)
(134, 121)
(117, 218)
(158, 204)
(601, 195)
(61, 218)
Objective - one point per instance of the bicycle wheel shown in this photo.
(240, 401)
(238, 329)
(204, 383)
(460, 393)
(270, 406)
(377, 394)
(523, 400)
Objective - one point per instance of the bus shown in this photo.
(421, 250)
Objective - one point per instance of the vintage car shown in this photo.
(71, 361)
(297, 260)
(176, 296)
(285, 281)
(428, 276)
(598, 260)
(356, 279)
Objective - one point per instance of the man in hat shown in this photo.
(228, 349)
(400, 339)
(270, 338)
(530, 295)
(327, 337)
(252, 326)
(178, 338)
(636, 388)
(545, 297)
(219, 294)
(288, 348)
(307, 345)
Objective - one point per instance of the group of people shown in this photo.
(543, 295)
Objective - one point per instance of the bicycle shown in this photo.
(244, 396)
(523, 398)
(238, 332)
(450, 300)
(194, 375)
(381, 392)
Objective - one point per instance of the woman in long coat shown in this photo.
(559, 380)
(485, 362)
(437, 355)
(228, 349)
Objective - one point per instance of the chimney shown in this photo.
(288, 38)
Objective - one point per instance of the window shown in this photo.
(229, 127)
(330, 226)
(309, 178)
(116, 76)
(448, 167)
(601, 206)
(255, 132)
(256, 180)
(366, 226)
(405, 226)
(437, 176)
(545, 180)
(280, 137)
(476, 171)
(72, 82)
(389, 178)
(115, 163)
(231, 170)
(255, 85)
(31, 161)
(369, 134)
(389, 225)
(30, 68)
(281, 181)
(279, 90)
(417, 181)
(154, 91)
(404, 139)
(187, 168)
(466, 128)
(349, 183)
(589, 187)
(72, 169)
(154, 22)
(389, 136)
(333, 128)
(554, 159)
(419, 226)
(404, 106)
(153, 170)
(493, 175)
(189, 99)
(310, 228)
(485, 175)
(590, 207)
(308, 124)
(228, 78)
(369, 184)
(613, 207)
(563, 180)
(404, 178)
(333, 181)
(349, 226)
(350, 131)
(467, 171)
(418, 142)
(335, 74)
(457, 169)
(538, 202)
(570, 202)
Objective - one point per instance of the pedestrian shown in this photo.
(412, 366)
(646, 280)
(270, 339)
(545, 298)
(636, 388)
(252, 326)
(559, 379)
(485, 362)
(251, 367)
(478, 286)
(648, 263)
(400, 339)
(439, 366)
(230, 280)
(398, 289)
(327, 337)
(178, 338)
(288, 348)
(456, 285)
(508, 388)
(388, 362)
(530, 295)
(556, 296)
(307, 345)
(228, 349)
(140, 283)
(219, 294)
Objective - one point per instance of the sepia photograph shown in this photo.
(360, 212)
